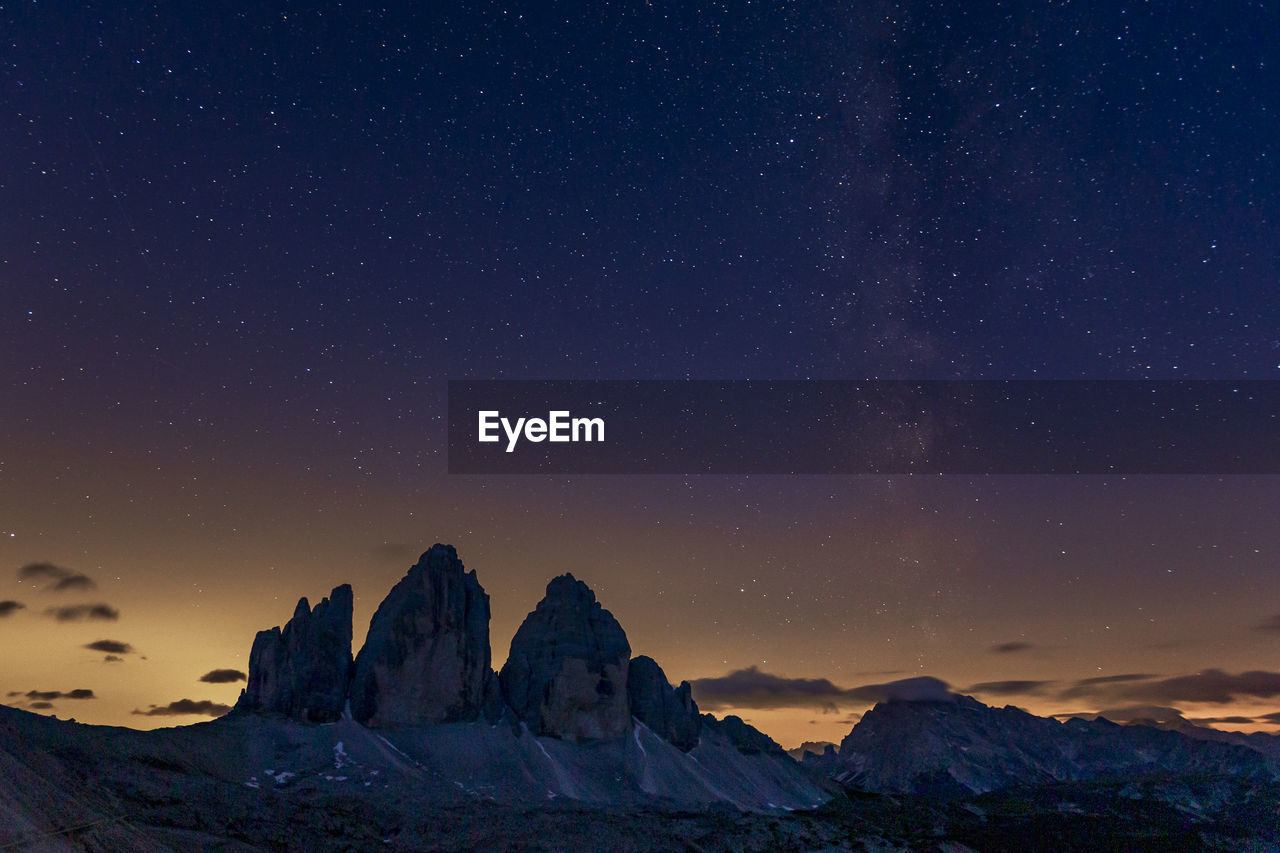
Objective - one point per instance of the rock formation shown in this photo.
(669, 713)
(426, 658)
(566, 675)
(302, 671)
(747, 738)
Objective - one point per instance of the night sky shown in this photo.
(244, 246)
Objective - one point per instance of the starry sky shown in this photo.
(243, 247)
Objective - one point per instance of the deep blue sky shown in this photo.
(249, 242)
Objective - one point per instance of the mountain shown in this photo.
(416, 743)
(668, 711)
(811, 747)
(566, 675)
(302, 671)
(570, 715)
(426, 657)
(960, 746)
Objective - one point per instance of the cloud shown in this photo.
(1101, 684)
(1210, 685)
(185, 707)
(223, 676)
(1114, 679)
(43, 572)
(81, 612)
(1009, 688)
(1011, 648)
(77, 581)
(1270, 718)
(1270, 624)
(113, 659)
(922, 688)
(1235, 721)
(48, 695)
(1143, 713)
(41, 706)
(8, 608)
(751, 688)
(57, 578)
(111, 647)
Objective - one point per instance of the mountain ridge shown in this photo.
(962, 746)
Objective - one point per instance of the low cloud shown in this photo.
(1212, 686)
(1233, 721)
(111, 647)
(223, 676)
(82, 612)
(43, 572)
(1143, 713)
(113, 659)
(56, 578)
(1101, 684)
(186, 707)
(8, 608)
(1011, 647)
(49, 695)
(1123, 693)
(40, 706)
(924, 688)
(752, 688)
(75, 582)
(1009, 688)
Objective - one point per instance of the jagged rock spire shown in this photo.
(426, 658)
(302, 671)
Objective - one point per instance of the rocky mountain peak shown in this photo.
(426, 658)
(566, 675)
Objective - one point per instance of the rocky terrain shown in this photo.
(417, 744)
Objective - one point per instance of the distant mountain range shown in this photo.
(961, 746)
(417, 743)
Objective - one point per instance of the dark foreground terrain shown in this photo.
(67, 786)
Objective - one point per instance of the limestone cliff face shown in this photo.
(566, 675)
(303, 670)
(669, 712)
(426, 658)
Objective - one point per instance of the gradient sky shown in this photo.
(243, 246)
